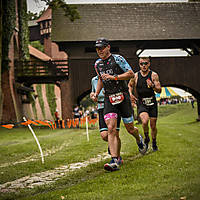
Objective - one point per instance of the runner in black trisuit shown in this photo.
(113, 70)
(144, 84)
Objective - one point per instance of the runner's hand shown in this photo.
(92, 95)
(150, 83)
(107, 77)
(95, 97)
(133, 99)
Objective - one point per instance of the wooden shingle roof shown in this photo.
(131, 21)
(47, 15)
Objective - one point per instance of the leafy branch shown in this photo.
(69, 10)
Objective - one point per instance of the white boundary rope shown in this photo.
(30, 128)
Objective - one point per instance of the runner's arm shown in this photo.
(156, 83)
(125, 76)
(98, 89)
(92, 90)
(123, 64)
(131, 88)
(93, 87)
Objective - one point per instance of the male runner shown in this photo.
(102, 125)
(112, 71)
(144, 84)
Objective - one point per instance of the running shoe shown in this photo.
(154, 146)
(120, 161)
(146, 141)
(142, 146)
(112, 166)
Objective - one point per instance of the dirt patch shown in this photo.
(49, 176)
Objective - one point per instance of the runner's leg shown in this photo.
(132, 130)
(153, 127)
(153, 133)
(118, 145)
(144, 116)
(112, 136)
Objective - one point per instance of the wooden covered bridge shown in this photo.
(130, 27)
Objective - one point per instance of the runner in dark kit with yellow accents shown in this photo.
(145, 84)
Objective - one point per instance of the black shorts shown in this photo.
(102, 123)
(124, 108)
(151, 110)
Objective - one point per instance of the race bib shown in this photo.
(148, 101)
(116, 98)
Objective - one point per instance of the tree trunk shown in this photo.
(1, 95)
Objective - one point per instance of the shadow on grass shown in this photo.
(193, 122)
(139, 155)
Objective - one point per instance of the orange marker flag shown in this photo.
(9, 126)
(63, 123)
(52, 125)
(77, 121)
(83, 120)
(26, 123)
(29, 122)
(43, 123)
(74, 123)
(69, 123)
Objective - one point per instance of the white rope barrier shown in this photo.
(30, 128)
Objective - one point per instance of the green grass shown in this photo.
(168, 174)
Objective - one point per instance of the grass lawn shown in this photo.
(169, 174)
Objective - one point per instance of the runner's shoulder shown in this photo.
(98, 61)
(154, 74)
(118, 58)
(94, 78)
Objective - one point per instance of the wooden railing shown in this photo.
(31, 72)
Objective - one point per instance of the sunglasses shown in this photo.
(101, 48)
(144, 63)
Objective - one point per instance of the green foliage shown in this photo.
(41, 101)
(69, 10)
(37, 45)
(51, 98)
(34, 109)
(8, 24)
(23, 30)
(87, 102)
(32, 16)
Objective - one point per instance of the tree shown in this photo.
(8, 28)
(69, 10)
(1, 95)
(32, 16)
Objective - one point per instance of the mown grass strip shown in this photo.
(170, 173)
